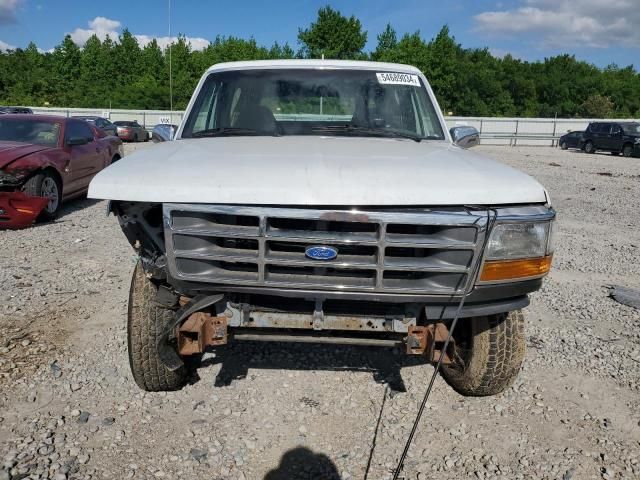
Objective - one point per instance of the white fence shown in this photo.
(493, 130)
(523, 131)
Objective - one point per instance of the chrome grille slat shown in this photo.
(296, 236)
(230, 257)
(402, 251)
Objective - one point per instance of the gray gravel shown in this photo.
(69, 408)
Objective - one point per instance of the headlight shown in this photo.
(518, 251)
(518, 240)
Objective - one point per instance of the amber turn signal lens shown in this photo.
(497, 270)
(28, 211)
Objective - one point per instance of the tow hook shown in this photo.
(428, 340)
(200, 331)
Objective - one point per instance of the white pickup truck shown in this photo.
(326, 201)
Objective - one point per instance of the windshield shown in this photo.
(631, 128)
(313, 102)
(29, 131)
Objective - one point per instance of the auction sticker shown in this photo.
(390, 78)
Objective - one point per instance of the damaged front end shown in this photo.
(209, 314)
(17, 210)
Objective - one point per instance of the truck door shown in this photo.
(615, 138)
(600, 131)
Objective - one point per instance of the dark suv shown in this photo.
(615, 137)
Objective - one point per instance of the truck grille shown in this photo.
(400, 251)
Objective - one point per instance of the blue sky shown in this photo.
(597, 31)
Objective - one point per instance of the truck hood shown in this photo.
(12, 151)
(310, 170)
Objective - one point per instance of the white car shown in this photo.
(325, 201)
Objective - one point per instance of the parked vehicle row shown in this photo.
(49, 156)
(615, 137)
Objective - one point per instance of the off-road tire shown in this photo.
(589, 148)
(145, 321)
(492, 363)
(34, 188)
(627, 150)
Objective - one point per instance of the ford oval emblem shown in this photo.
(321, 253)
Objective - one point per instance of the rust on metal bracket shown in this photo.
(200, 331)
(428, 340)
(416, 340)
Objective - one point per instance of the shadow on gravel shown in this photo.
(68, 208)
(77, 204)
(302, 463)
(237, 358)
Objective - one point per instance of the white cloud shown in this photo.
(102, 26)
(8, 9)
(197, 43)
(99, 26)
(5, 46)
(562, 23)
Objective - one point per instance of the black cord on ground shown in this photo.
(490, 222)
(375, 433)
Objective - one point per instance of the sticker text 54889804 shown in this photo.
(391, 78)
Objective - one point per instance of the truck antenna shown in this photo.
(170, 74)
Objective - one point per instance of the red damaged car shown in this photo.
(51, 157)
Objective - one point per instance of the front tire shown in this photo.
(488, 353)
(563, 146)
(146, 321)
(45, 185)
(627, 150)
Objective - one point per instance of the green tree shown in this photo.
(596, 106)
(66, 61)
(387, 42)
(334, 36)
(118, 73)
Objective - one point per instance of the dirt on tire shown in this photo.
(497, 351)
(146, 320)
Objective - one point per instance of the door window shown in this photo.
(78, 130)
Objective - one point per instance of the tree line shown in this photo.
(120, 73)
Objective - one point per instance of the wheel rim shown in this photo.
(50, 190)
(588, 147)
(626, 151)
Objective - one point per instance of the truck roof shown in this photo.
(346, 64)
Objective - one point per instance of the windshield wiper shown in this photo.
(224, 131)
(371, 130)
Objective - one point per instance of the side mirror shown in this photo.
(465, 137)
(77, 141)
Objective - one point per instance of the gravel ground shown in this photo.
(69, 408)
